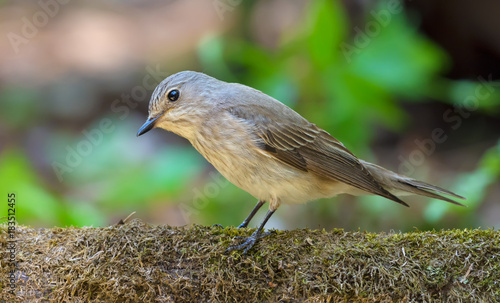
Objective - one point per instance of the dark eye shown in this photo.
(173, 95)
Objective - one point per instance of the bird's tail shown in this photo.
(401, 185)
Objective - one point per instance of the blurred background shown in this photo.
(412, 86)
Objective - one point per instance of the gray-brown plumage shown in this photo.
(266, 148)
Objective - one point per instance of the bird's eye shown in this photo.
(173, 95)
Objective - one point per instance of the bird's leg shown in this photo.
(258, 234)
(250, 216)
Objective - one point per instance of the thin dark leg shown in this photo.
(250, 216)
(258, 234)
(268, 215)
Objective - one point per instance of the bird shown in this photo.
(267, 149)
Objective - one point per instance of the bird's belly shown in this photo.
(268, 179)
(239, 160)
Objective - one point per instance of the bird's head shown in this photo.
(180, 103)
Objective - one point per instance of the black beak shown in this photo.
(149, 125)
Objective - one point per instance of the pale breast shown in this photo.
(231, 148)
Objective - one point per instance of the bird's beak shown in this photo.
(149, 125)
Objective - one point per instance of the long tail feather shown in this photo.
(401, 185)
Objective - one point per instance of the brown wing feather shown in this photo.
(308, 148)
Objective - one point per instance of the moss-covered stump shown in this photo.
(136, 262)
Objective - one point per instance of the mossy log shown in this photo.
(136, 262)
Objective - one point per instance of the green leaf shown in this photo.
(166, 174)
(327, 25)
(399, 59)
(34, 204)
(473, 186)
(211, 56)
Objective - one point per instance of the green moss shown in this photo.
(138, 262)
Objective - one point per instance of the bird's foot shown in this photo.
(217, 225)
(243, 225)
(249, 241)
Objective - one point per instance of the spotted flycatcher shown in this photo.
(267, 149)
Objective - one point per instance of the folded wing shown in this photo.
(306, 147)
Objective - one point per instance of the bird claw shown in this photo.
(249, 241)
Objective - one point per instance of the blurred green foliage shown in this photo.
(348, 93)
(473, 185)
(344, 93)
(35, 204)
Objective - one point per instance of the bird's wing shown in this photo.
(306, 147)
